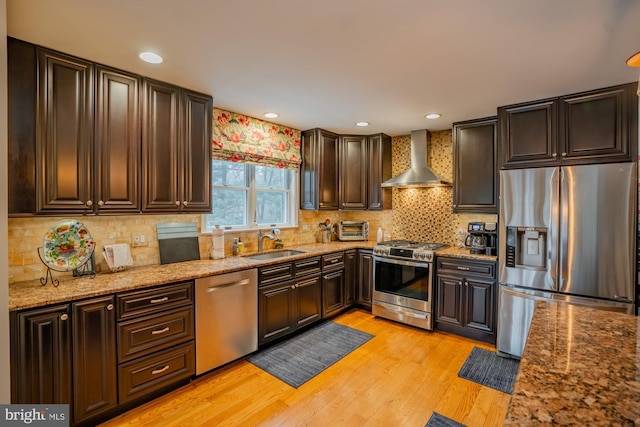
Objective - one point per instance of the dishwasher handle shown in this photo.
(214, 288)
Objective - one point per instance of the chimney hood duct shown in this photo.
(419, 175)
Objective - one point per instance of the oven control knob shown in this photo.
(428, 257)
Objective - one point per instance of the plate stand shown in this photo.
(86, 269)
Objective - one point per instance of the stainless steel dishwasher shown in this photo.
(226, 318)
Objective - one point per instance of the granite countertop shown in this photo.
(31, 293)
(456, 252)
(580, 367)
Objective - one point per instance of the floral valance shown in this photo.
(245, 139)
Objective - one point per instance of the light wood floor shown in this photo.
(398, 378)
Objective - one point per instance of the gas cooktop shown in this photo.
(408, 249)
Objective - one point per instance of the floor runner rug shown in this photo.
(439, 420)
(302, 357)
(487, 368)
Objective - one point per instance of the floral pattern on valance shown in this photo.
(239, 138)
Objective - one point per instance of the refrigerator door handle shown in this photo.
(554, 196)
(565, 194)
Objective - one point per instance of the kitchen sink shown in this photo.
(275, 254)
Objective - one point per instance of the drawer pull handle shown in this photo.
(160, 331)
(333, 261)
(307, 282)
(159, 371)
(156, 301)
(463, 268)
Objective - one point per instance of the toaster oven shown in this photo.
(353, 230)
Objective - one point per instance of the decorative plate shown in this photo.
(67, 245)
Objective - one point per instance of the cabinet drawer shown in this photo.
(137, 303)
(333, 261)
(275, 274)
(467, 266)
(151, 373)
(143, 336)
(307, 266)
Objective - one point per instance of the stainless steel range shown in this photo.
(403, 281)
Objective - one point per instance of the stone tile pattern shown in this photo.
(26, 235)
(426, 214)
(31, 293)
(579, 367)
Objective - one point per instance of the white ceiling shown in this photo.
(330, 63)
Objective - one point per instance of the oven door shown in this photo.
(403, 283)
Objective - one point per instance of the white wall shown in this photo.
(5, 392)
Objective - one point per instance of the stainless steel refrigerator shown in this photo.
(566, 234)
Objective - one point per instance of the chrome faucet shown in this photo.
(261, 239)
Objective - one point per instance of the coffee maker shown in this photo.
(482, 238)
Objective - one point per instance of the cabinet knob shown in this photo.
(460, 282)
(109, 307)
(89, 203)
(177, 203)
(564, 154)
(293, 286)
(554, 155)
(64, 317)
(184, 203)
(100, 203)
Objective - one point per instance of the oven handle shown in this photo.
(412, 263)
(403, 312)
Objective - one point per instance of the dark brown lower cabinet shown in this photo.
(350, 276)
(365, 278)
(95, 389)
(41, 355)
(466, 298)
(332, 292)
(285, 307)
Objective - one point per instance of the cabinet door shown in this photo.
(449, 299)
(94, 358)
(196, 152)
(21, 124)
(308, 300)
(328, 168)
(474, 165)
(479, 304)
(528, 134)
(350, 276)
(365, 277)
(160, 147)
(353, 172)
(378, 171)
(117, 141)
(276, 311)
(308, 170)
(41, 356)
(64, 133)
(332, 293)
(595, 126)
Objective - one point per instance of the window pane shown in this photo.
(267, 177)
(271, 207)
(229, 174)
(229, 207)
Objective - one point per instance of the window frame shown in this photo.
(292, 182)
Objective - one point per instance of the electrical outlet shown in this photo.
(305, 227)
(139, 240)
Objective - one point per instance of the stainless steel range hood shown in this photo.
(419, 175)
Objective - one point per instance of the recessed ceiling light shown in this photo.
(433, 116)
(150, 57)
(362, 124)
(271, 115)
(634, 61)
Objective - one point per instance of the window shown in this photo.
(249, 196)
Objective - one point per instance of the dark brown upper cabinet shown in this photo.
(64, 133)
(353, 172)
(598, 126)
(344, 171)
(117, 141)
(319, 170)
(176, 149)
(474, 165)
